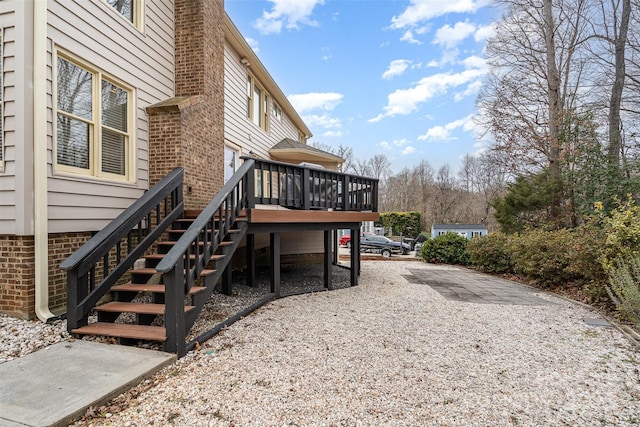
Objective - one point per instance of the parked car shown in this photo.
(383, 245)
(346, 239)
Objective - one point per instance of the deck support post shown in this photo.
(335, 247)
(174, 318)
(327, 259)
(227, 283)
(251, 259)
(274, 255)
(355, 255)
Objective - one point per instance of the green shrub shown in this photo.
(491, 253)
(545, 257)
(624, 280)
(448, 248)
(405, 223)
(622, 231)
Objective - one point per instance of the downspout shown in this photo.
(40, 205)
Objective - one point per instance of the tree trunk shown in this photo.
(620, 43)
(553, 80)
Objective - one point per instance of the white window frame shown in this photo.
(95, 124)
(138, 13)
(259, 118)
(277, 111)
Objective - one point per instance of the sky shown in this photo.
(392, 77)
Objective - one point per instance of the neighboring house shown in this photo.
(100, 99)
(466, 230)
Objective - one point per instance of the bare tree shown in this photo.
(380, 166)
(341, 151)
(362, 167)
(535, 73)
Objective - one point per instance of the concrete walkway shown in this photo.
(56, 385)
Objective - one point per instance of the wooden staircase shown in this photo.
(137, 308)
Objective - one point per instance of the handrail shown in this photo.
(121, 225)
(184, 263)
(204, 219)
(106, 257)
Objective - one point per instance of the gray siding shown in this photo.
(93, 31)
(238, 129)
(16, 184)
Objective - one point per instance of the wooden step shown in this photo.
(135, 307)
(151, 271)
(172, 243)
(161, 256)
(158, 288)
(117, 330)
(144, 270)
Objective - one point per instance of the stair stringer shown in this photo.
(211, 280)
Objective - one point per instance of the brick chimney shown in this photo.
(188, 129)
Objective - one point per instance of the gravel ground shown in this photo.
(393, 353)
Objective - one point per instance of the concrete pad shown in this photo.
(458, 284)
(56, 385)
(597, 322)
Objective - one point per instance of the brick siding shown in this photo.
(17, 272)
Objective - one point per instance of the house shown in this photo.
(465, 230)
(102, 102)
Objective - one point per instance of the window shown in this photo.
(277, 111)
(131, 10)
(257, 104)
(476, 233)
(93, 121)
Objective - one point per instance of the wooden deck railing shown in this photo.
(300, 187)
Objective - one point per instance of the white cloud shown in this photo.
(484, 33)
(408, 150)
(315, 100)
(332, 134)
(253, 44)
(324, 121)
(472, 89)
(408, 37)
(443, 133)
(290, 14)
(406, 101)
(395, 143)
(450, 37)
(474, 62)
(449, 56)
(396, 68)
(423, 10)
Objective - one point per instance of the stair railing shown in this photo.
(183, 264)
(110, 253)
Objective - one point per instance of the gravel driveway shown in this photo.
(409, 346)
(395, 353)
